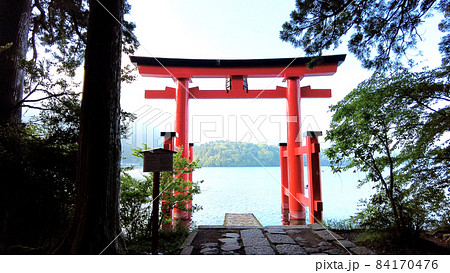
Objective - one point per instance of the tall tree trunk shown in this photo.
(14, 25)
(96, 222)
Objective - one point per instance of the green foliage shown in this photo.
(37, 196)
(62, 122)
(5, 47)
(62, 26)
(38, 160)
(60, 119)
(172, 182)
(379, 29)
(171, 241)
(345, 224)
(444, 26)
(377, 239)
(236, 154)
(393, 127)
(136, 196)
(57, 41)
(38, 168)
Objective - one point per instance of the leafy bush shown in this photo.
(392, 128)
(344, 224)
(136, 196)
(135, 200)
(38, 189)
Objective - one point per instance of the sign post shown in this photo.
(156, 161)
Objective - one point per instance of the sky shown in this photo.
(235, 29)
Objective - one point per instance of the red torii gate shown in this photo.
(236, 72)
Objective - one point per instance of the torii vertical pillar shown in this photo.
(314, 185)
(295, 163)
(169, 144)
(191, 158)
(284, 185)
(181, 127)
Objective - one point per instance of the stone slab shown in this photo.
(255, 241)
(253, 237)
(229, 253)
(325, 248)
(280, 239)
(316, 226)
(324, 244)
(230, 247)
(209, 245)
(328, 235)
(360, 250)
(312, 250)
(275, 231)
(259, 250)
(333, 251)
(231, 235)
(210, 251)
(288, 249)
(302, 242)
(228, 240)
(344, 243)
(251, 233)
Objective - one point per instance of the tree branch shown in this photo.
(36, 107)
(46, 98)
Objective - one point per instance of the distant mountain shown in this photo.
(237, 154)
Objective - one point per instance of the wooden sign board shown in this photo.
(158, 160)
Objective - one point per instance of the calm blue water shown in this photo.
(257, 190)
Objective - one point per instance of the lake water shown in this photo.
(257, 190)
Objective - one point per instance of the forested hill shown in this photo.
(239, 154)
(236, 154)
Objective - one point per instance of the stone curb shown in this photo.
(190, 238)
(187, 250)
(186, 246)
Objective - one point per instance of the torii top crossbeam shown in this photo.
(249, 68)
(237, 71)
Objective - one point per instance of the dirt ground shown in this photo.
(425, 245)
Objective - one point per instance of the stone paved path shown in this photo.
(241, 219)
(271, 240)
